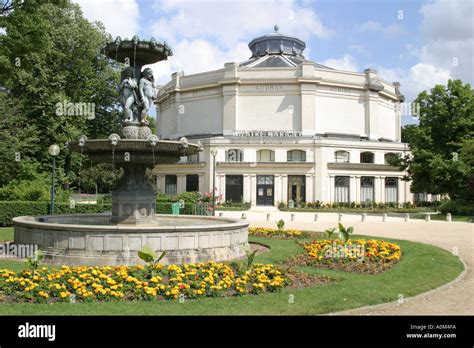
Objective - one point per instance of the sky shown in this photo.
(418, 43)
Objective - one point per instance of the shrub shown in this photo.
(280, 224)
(8, 210)
(457, 208)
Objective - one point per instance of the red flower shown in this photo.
(181, 286)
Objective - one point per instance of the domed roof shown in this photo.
(277, 50)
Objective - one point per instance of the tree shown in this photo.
(441, 145)
(50, 56)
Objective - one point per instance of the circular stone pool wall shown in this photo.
(89, 239)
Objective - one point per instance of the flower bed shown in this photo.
(71, 284)
(365, 256)
(276, 233)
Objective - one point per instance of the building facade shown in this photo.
(284, 129)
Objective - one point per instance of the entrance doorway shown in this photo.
(297, 189)
(265, 188)
(234, 188)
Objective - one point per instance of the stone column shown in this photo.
(309, 188)
(284, 188)
(180, 183)
(371, 103)
(352, 189)
(253, 189)
(160, 183)
(377, 193)
(332, 181)
(357, 189)
(247, 188)
(201, 183)
(221, 187)
(382, 189)
(230, 91)
(401, 191)
(277, 188)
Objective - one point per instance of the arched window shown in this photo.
(390, 157)
(265, 156)
(341, 156)
(296, 156)
(234, 155)
(367, 157)
(366, 189)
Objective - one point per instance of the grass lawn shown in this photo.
(442, 217)
(422, 267)
(6, 233)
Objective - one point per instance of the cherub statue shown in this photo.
(128, 95)
(147, 92)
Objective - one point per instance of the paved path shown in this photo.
(455, 298)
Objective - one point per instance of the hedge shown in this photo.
(457, 208)
(10, 209)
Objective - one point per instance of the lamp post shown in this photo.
(214, 153)
(53, 151)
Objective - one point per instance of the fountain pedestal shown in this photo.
(133, 201)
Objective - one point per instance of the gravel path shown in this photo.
(455, 298)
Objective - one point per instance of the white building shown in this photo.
(284, 128)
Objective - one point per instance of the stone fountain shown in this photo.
(115, 238)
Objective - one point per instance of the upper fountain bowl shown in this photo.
(137, 52)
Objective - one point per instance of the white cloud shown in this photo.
(446, 51)
(234, 21)
(194, 56)
(379, 27)
(205, 35)
(346, 62)
(421, 76)
(120, 17)
(448, 30)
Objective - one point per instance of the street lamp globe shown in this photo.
(214, 152)
(53, 150)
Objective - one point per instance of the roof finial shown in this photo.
(276, 28)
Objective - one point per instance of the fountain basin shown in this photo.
(90, 239)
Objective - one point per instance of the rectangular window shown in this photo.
(296, 156)
(192, 183)
(366, 189)
(391, 190)
(265, 156)
(341, 189)
(297, 189)
(171, 184)
(234, 188)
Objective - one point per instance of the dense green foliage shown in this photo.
(9, 210)
(442, 145)
(457, 208)
(50, 55)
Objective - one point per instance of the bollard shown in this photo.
(363, 217)
(315, 217)
(339, 218)
(221, 214)
(384, 217)
(427, 217)
(407, 217)
(292, 217)
(268, 217)
(244, 216)
(448, 217)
